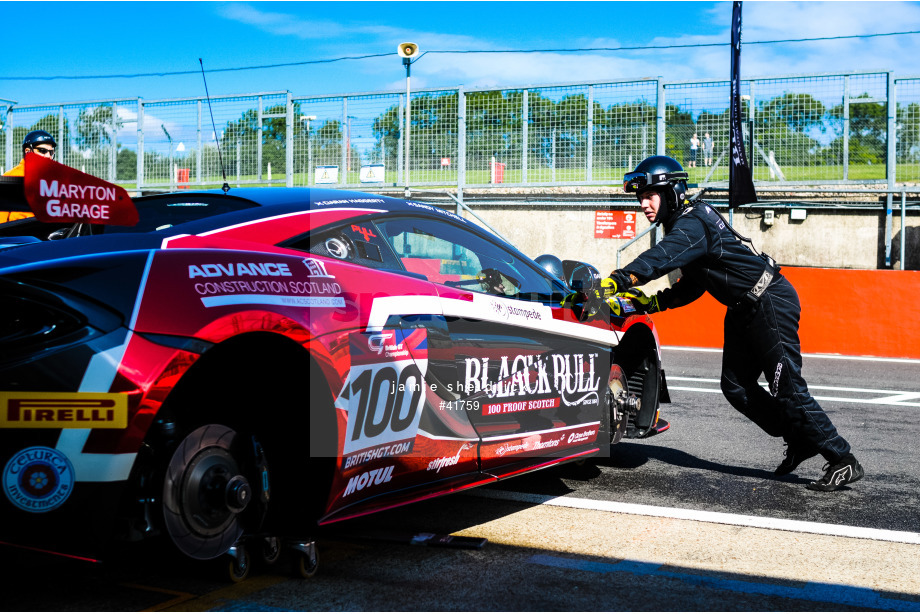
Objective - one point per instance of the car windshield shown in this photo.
(162, 212)
(452, 256)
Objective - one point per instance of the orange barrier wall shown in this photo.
(848, 312)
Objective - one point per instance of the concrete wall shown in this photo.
(828, 238)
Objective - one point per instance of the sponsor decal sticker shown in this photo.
(374, 477)
(447, 461)
(491, 409)
(63, 410)
(510, 310)
(571, 377)
(38, 479)
(265, 283)
(384, 392)
(364, 456)
(538, 442)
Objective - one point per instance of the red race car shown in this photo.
(154, 377)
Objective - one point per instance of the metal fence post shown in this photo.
(525, 146)
(891, 162)
(659, 128)
(846, 127)
(589, 175)
(259, 144)
(890, 165)
(8, 149)
(461, 141)
(399, 147)
(289, 142)
(751, 123)
(113, 146)
(198, 155)
(62, 146)
(140, 144)
(903, 228)
(343, 174)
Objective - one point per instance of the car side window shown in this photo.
(356, 243)
(453, 256)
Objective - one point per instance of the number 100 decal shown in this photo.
(384, 393)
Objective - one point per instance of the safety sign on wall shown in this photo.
(326, 174)
(372, 173)
(614, 224)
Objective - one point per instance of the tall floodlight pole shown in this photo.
(407, 51)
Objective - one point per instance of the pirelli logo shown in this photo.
(63, 410)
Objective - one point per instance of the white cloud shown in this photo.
(762, 21)
(287, 24)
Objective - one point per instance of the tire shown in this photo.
(270, 550)
(205, 492)
(238, 567)
(305, 566)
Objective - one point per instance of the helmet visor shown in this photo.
(637, 182)
(634, 182)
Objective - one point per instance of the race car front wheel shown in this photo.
(205, 492)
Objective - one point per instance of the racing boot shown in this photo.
(794, 456)
(844, 471)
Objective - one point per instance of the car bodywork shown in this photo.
(153, 379)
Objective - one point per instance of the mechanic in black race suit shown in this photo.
(761, 324)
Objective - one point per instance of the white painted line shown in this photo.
(892, 397)
(756, 522)
(715, 380)
(689, 389)
(912, 361)
(905, 396)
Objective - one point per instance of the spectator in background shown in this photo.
(694, 148)
(38, 142)
(707, 149)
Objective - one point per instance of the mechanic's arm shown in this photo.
(686, 242)
(683, 292)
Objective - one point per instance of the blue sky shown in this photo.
(89, 38)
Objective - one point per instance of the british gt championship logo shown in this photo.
(38, 479)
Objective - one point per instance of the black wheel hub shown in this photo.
(213, 492)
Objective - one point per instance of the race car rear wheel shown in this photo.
(205, 492)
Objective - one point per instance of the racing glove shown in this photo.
(584, 305)
(641, 301)
(608, 287)
(618, 281)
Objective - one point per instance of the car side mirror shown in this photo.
(581, 276)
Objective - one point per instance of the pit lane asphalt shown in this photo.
(546, 557)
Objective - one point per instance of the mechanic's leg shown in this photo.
(740, 370)
(775, 339)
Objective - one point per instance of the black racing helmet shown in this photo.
(552, 264)
(666, 176)
(37, 137)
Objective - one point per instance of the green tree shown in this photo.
(868, 131)
(677, 137)
(244, 134)
(908, 145)
(49, 123)
(798, 112)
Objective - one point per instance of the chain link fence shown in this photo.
(805, 129)
(908, 129)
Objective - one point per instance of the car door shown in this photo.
(531, 383)
(394, 438)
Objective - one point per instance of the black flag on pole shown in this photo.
(740, 183)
